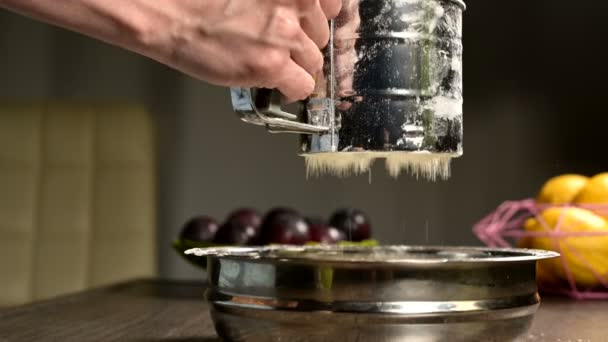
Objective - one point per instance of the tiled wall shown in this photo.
(77, 197)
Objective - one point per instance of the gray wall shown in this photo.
(211, 163)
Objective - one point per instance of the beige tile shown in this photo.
(61, 261)
(68, 134)
(18, 199)
(84, 211)
(66, 197)
(124, 134)
(121, 257)
(15, 267)
(124, 199)
(20, 133)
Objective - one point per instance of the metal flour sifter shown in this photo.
(391, 88)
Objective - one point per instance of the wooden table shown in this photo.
(153, 310)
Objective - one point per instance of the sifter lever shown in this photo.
(263, 107)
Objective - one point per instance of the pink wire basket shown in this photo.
(504, 227)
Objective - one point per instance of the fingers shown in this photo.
(349, 9)
(285, 27)
(287, 53)
(295, 83)
(331, 8)
(345, 77)
(273, 68)
(314, 21)
(308, 56)
(316, 27)
(345, 70)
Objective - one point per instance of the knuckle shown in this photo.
(147, 34)
(269, 63)
(286, 24)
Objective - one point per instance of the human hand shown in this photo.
(346, 33)
(247, 43)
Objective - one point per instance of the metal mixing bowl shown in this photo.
(389, 293)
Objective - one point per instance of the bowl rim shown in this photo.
(411, 255)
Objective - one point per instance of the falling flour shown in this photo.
(342, 164)
(430, 166)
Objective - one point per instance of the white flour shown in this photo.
(445, 107)
(430, 166)
(424, 18)
(342, 164)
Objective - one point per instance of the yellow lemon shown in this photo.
(576, 251)
(561, 189)
(595, 191)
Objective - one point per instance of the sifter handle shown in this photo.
(263, 107)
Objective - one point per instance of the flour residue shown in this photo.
(422, 20)
(430, 166)
(341, 164)
(445, 107)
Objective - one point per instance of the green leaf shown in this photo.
(326, 276)
(364, 243)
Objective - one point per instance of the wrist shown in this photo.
(148, 27)
(77, 16)
(134, 28)
(156, 28)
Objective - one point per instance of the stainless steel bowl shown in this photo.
(389, 293)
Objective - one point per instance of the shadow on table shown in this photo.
(161, 289)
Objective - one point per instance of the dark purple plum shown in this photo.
(245, 217)
(354, 223)
(323, 233)
(199, 229)
(284, 226)
(241, 228)
(235, 234)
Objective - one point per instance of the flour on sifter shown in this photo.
(430, 166)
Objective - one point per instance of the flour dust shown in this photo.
(429, 166)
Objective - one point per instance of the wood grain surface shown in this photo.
(144, 310)
(162, 311)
